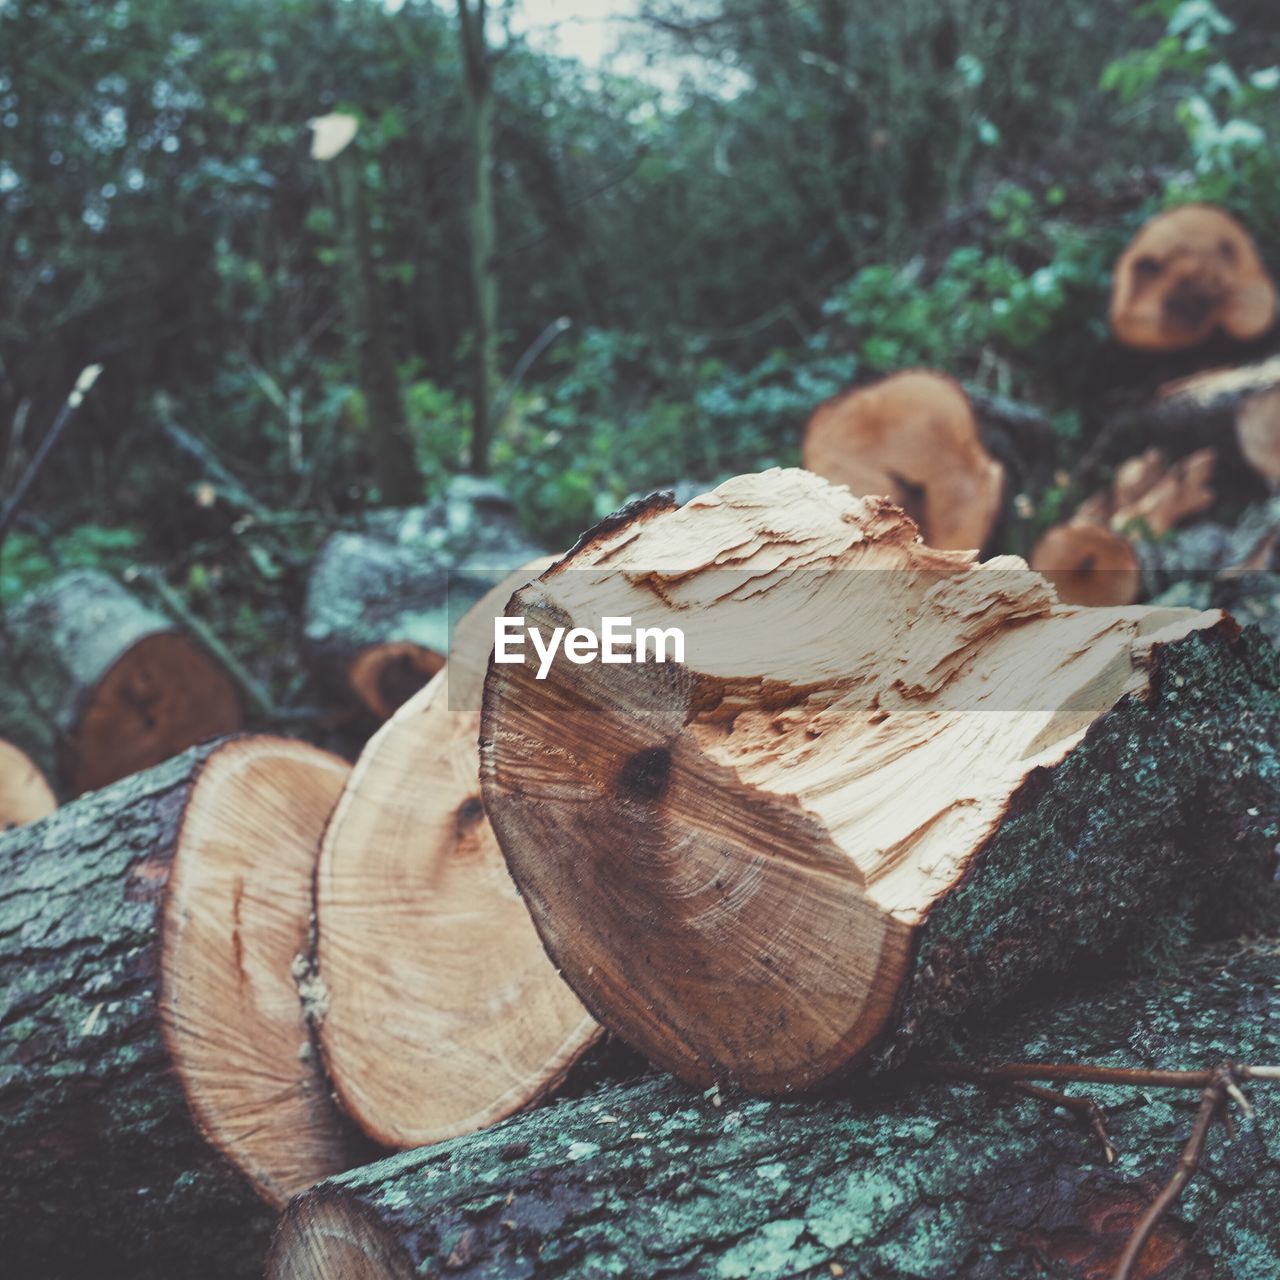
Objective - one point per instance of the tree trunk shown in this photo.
(477, 96)
(394, 460)
(155, 1069)
(381, 604)
(412, 896)
(916, 1182)
(884, 788)
(99, 686)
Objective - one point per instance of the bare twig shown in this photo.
(84, 384)
(1086, 1110)
(1218, 1086)
(1211, 1102)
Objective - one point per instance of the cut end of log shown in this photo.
(1189, 272)
(329, 1236)
(912, 438)
(161, 696)
(25, 795)
(1088, 565)
(444, 1013)
(1258, 431)
(236, 919)
(729, 857)
(386, 676)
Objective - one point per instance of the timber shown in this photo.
(382, 601)
(441, 1012)
(158, 1095)
(914, 438)
(25, 794)
(919, 1180)
(887, 787)
(98, 686)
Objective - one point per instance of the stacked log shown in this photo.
(158, 1093)
(382, 603)
(887, 787)
(920, 1180)
(98, 686)
(441, 1012)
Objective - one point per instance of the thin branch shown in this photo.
(1211, 1102)
(1086, 1110)
(84, 383)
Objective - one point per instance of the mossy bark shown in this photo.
(1159, 827)
(57, 643)
(917, 1182)
(105, 1172)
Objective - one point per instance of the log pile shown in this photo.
(99, 686)
(921, 1180)
(840, 824)
(382, 603)
(158, 1095)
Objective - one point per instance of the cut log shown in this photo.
(913, 438)
(885, 786)
(98, 686)
(381, 603)
(922, 1181)
(155, 1069)
(1088, 564)
(1190, 272)
(1258, 433)
(1094, 559)
(442, 1012)
(25, 796)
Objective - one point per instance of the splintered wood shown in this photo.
(756, 865)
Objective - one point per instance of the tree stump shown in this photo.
(155, 1071)
(381, 603)
(98, 686)
(885, 787)
(441, 1010)
(25, 795)
(919, 1180)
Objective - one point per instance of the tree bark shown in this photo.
(919, 1182)
(99, 686)
(884, 788)
(381, 604)
(151, 1024)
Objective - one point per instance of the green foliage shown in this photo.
(29, 559)
(1003, 300)
(1229, 112)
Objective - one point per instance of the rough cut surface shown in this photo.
(97, 686)
(885, 787)
(926, 1182)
